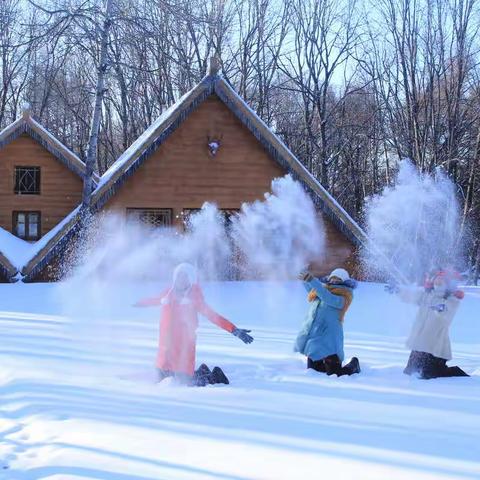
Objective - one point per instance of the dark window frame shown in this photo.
(16, 180)
(131, 211)
(27, 236)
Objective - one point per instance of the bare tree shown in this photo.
(352, 86)
(326, 34)
(102, 66)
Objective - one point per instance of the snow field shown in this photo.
(78, 398)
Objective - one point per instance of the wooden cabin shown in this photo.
(41, 182)
(209, 146)
(183, 173)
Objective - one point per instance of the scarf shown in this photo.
(172, 297)
(342, 292)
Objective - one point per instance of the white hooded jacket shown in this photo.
(430, 331)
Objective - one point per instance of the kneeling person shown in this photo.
(321, 337)
(181, 304)
(429, 340)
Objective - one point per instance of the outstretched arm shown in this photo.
(335, 301)
(222, 322)
(211, 314)
(151, 301)
(215, 318)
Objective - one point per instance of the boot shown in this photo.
(455, 372)
(217, 376)
(318, 365)
(162, 374)
(202, 370)
(424, 365)
(333, 366)
(352, 367)
(201, 376)
(415, 363)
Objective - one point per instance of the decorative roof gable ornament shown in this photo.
(214, 144)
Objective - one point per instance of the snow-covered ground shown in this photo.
(78, 399)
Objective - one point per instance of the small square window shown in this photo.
(27, 180)
(26, 225)
(153, 217)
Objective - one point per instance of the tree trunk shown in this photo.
(92, 151)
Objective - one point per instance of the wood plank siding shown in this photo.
(181, 174)
(60, 189)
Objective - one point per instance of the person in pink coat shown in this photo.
(181, 304)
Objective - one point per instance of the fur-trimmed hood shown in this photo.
(350, 283)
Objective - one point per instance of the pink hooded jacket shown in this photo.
(179, 322)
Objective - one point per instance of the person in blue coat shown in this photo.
(321, 336)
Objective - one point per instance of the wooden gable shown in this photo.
(60, 189)
(182, 173)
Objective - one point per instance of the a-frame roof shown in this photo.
(26, 124)
(164, 126)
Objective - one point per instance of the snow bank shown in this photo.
(79, 402)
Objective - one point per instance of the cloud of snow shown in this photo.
(119, 250)
(271, 239)
(274, 238)
(281, 235)
(414, 226)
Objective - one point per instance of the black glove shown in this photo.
(243, 335)
(306, 276)
(391, 288)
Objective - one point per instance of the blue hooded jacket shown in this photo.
(322, 331)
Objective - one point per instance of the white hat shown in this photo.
(187, 269)
(340, 273)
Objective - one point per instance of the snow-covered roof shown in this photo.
(288, 160)
(139, 144)
(15, 253)
(20, 254)
(27, 124)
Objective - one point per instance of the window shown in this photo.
(27, 180)
(154, 217)
(26, 225)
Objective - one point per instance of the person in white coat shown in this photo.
(429, 339)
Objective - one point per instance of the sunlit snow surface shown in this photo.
(78, 398)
